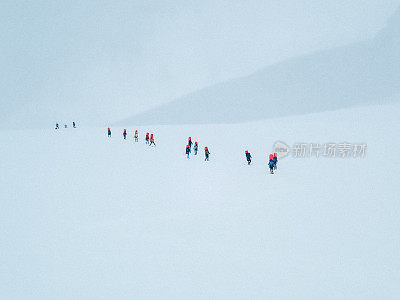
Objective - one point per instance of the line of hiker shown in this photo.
(65, 125)
(149, 137)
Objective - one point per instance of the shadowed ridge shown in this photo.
(358, 74)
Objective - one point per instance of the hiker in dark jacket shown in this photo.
(248, 157)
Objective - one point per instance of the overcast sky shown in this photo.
(115, 58)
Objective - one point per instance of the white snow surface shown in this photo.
(87, 217)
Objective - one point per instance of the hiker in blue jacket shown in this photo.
(248, 157)
(271, 164)
(190, 143)
(187, 150)
(207, 153)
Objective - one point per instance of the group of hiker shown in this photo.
(196, 149)
(272, 163)
(149, 140)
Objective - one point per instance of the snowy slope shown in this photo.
(359, 74)
(88, 217)
(98, 62)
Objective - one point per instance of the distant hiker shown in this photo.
(207, 153)
(57, 127)
(147, 138)
(152, 140)
(187, 150)
(136, 136)
(124, 134)
(271, 163)
(275, 160)
(73, 124)
(109, 132)
(195, 148)
(190, 143)
(248, 157)
(65, 126)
